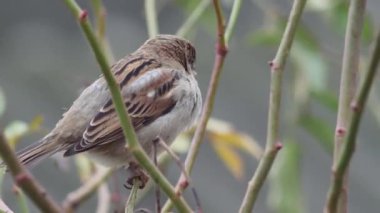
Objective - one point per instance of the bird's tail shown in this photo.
(36, 152)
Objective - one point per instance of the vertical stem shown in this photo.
(348, 147)
(350, 66)
(221, 52)
(151, 17)
(272, 144)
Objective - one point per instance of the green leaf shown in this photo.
(284, 194)
(319, 129)
(326, 98)
(338, 15)
(15, 130)
(265, 36)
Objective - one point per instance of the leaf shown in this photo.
(225, 133)
(229, 157)
(36, 123)
(318, 128)
(310, 61)
(265, 36)
(84, 167)
(181, 143)
(338, 15)
(327, 99)
(226, 141)
(14, 131)
(285, 194)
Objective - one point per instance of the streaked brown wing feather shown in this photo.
(146, 88)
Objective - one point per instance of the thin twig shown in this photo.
(125, 122)
(350, 66)
(232, 20)
(25, 180)
(221, 52)
(104, 199)
(273, 144)
(193, 18)
(151, 17)
(4, 208)
(131, 202)
(348, 147)
(73, 199)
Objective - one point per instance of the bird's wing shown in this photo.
(147, 89)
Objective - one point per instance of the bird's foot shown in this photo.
(136, 173)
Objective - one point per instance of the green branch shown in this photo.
(348, 147)
(151, 17)
(193, 18)
(350, 67)
(25, 180)
(272, 144)
(125, 122)
(221, 52)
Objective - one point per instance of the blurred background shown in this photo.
(46, 62)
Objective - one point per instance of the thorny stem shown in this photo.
(125, 122)
(348, 147)
(350, 66)
(272, 144)
(25, 180)
(221, 52)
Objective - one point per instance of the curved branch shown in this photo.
(272, 144)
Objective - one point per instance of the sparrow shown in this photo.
(161, 95)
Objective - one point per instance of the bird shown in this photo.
(161, 95)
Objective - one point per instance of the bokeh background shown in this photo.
(45, 62)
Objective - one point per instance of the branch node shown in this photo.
(221, 49)
(278, 146)
(21, 177)
(355, 106)
(340, 131)
(83, 15)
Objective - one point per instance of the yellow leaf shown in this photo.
(84, 167)
(36, 123)
(223, 132)
(230, 158)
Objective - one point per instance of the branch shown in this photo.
(125, 122)
(232, 20)
(272, 144)
(221, 52)
(151, 17)
(348, 147)
(350, 66)
(4, 208)
(25, 180)
(73, 199)
(193, 18)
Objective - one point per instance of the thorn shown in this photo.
(83, 15)
(184, 184)
(354, 106)
(221, 49)
(274, 66)
(270, 63)
(21, 178)
(340, 131)
(278, 146)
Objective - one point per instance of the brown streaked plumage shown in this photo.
(160, 92)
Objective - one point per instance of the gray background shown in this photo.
(45, 61)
